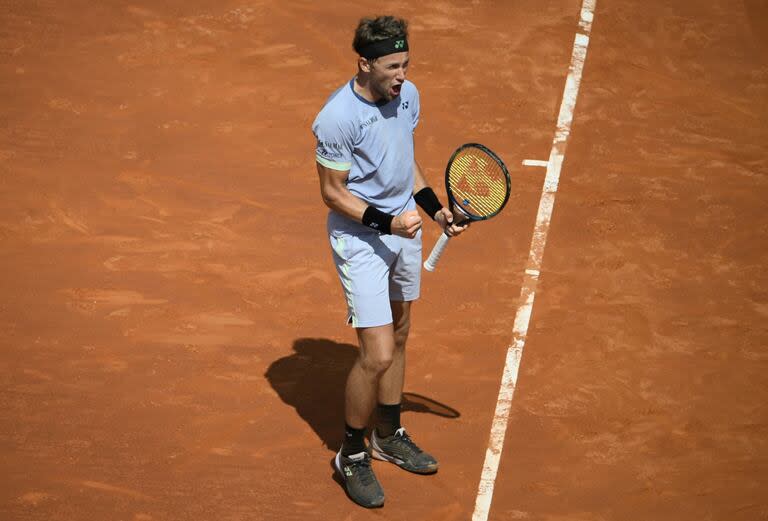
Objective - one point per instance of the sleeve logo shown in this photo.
(329, 149)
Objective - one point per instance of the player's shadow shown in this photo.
(312, 380)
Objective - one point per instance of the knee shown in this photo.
(377, 363)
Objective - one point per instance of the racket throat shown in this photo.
(459, 217)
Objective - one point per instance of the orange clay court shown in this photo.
(172, 338)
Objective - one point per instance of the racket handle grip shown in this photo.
(437, 251)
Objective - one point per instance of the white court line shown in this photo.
(532, 270)
(535, 162)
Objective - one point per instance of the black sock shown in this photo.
(387, 419)
(354, 440)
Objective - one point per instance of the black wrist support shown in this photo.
(428, 201)
(378, 220)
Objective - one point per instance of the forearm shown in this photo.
(337, 197)
(342, 201)
(424, 195)
(419, 181)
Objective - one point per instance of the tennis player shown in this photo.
(371, 182)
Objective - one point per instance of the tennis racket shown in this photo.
(478, 186)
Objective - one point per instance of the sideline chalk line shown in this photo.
(533, 268)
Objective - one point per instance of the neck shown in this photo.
(362, 86)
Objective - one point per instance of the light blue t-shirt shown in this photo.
(374, 142)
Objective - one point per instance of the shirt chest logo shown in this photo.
(368, 122)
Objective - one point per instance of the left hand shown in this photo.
(445, 219)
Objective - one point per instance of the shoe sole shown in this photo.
(337, 466)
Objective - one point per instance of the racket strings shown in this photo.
(478, 183)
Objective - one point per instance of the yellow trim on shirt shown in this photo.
(334, 165)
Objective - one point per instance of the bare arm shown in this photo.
(336, 196)
(443, 217)
(419, 181)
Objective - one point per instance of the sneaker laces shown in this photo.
(402, 438)
(362, 465)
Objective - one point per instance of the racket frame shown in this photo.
(452, 200)
(442, 242)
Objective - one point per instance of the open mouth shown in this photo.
(396, 89)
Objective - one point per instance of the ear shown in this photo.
(364, 64)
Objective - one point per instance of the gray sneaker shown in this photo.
(403, 452)
(359, 480)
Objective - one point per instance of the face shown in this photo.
(388, 75)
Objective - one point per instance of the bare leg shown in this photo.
(377, 345)
(399, 449)
(393, 379)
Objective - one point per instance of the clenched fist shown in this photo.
(406, 224)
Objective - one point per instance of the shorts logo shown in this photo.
(399, 44)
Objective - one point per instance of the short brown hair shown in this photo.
(371, 30)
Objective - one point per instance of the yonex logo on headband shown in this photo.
(399, 44)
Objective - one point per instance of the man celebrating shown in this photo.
(371, 182)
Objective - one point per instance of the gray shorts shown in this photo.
(375, 269)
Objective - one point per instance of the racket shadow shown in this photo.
(417, 403)
(312, 380)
